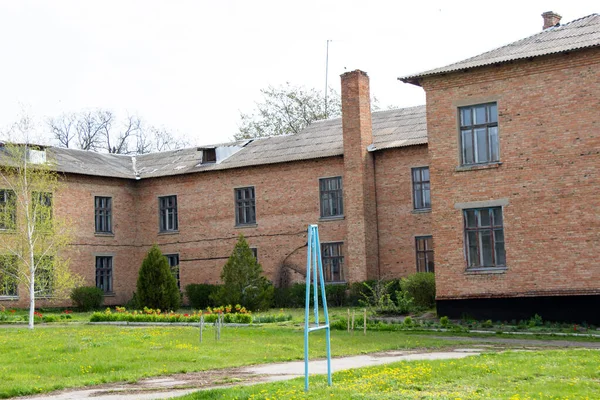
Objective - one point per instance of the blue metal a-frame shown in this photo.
(315, 264)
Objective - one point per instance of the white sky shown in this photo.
(192, 66)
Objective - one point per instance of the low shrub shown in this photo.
(199, 294)
(408, 321)
(404, 302)
(336, 294)
(536, 320)
(445, 322)
(359, 291)
(267, 319)
(421, 287)
(379, 299)
(87, 298)
(240, 316)
(50, 318)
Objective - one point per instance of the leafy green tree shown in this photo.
(286, 110)
(33, 234)
(243, 280)
(156, 285)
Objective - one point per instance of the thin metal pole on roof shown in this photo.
(326, 76)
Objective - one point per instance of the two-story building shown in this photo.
(498, 176)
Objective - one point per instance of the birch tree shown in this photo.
(33, 235)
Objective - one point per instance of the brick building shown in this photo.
(497, 175)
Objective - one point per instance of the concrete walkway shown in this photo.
(182, 384)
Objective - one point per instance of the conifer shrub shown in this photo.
(243, 280)
(156, 285)
(87, 298)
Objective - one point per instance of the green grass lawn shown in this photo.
(50, 358)
(552, 374)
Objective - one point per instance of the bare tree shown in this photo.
(100, 130)
(131, 127)
(164, 140)
(63, 129)
(90, 127)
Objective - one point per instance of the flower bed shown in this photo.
(230, 315)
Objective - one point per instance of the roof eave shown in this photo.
(413, 80)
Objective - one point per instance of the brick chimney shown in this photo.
(359, 179)
(551, 19)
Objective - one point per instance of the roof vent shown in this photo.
(551, 19)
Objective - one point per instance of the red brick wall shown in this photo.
(75, 203)
(549, 120)
(287, 201)
(397, 221)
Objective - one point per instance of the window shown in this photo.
(8, 279)
(44, 276)
(333, 262)
(8, 211)
(479, 133)
(424, 245)
(421, 192)
(168, 213)
(209, 156)
(174, 265)
(103, 212)
(104, 273)
(332, 204)
(245, 206)
(42, 209)
(254, 251)
(484, 237)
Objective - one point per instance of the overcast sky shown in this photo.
(192, 66)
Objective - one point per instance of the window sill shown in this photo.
(475, 167)
(336, 283)
(333, 218)
(9, 298)
(109, 294)
(485, 271)
(243, 226)
(421, 211)
(104, 234)
(168, 233)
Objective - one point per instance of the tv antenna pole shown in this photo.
(326, 76)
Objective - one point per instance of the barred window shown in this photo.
(333, 262)
(479, 133)
(245, 206)
(8, 279)
(484, 237)
(168, 213)
(174, 265)
(331, 194)
(424, 246)
(104, 273)
(8, 211)
(421, 190)
(103, 213)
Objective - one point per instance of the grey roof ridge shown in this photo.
(434, 71)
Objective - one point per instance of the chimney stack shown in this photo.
(361, 247)
(551, 19)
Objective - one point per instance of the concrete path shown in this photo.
(182, 384)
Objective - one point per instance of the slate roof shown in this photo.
(391, 128)
(578, 34)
